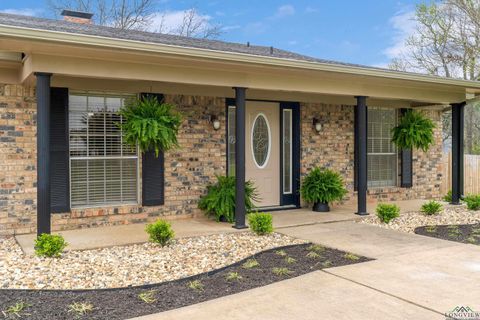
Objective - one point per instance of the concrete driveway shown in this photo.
(413, 277)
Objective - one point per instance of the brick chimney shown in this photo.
(77, 16)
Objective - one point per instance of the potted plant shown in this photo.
(414, 130)
(220, 199)
(321, 187)
(150, 124)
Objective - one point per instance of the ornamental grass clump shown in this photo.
(220, 199)
(150, 124)
(50, 245)
(387, 212)
(160, 232)
(323, 186)
(261, 223)
(414, 130)
(431, 208)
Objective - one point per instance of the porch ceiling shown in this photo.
(79, 66)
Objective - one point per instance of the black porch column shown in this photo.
(361, 157)
(43, 152)
(240, 94)
(457, 151)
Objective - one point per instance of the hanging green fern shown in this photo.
(415, 130)
(150, 124)
(220, 198)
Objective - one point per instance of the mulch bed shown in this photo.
(465, 233)
(125, 303)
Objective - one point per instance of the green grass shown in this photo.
(313, 255)
(290, 260)
(250, 264)
(281, 253)
(196, 285)
(148, 296)
(80, 308)
(327, 264)
(17, 310)
(431, 229)
(282, 271)
(233, 276)
(351, 256)
(316, 247)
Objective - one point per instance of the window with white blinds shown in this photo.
(103, 170)
(382, 154)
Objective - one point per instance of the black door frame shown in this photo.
(292, 199)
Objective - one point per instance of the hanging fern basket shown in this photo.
(414, 131)
(150, 124)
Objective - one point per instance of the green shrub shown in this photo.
(473, 202)
(150, 124)
(431, 208)
(49, 245)
(323, 186)
(387, 212)
(160, 232)
(220, 198)
(260, 223)
(448, 196)
(414, 130)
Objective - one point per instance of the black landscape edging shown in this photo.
(124, 303)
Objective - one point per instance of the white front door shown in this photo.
(262, 150)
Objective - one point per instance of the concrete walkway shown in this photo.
(101, 237)
(414, 277)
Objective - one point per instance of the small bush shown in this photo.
(473, 202)
(282, 271)
(448, 196)
(387, 212)
(233, 276)
(160, 232)
(431, 208)
(261, 223)
(50, 245)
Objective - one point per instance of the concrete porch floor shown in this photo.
(101, 237)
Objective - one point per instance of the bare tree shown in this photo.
(139, 15)
(123, 14)
(193, 25)
(447, 43)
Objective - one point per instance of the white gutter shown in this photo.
(105, 42)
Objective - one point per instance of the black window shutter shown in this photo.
(153, 172)
(406, 164)
(59, 151)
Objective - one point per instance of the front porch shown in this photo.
(109, 236)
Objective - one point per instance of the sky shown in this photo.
(365, 32)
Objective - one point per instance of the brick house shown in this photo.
(258, 112)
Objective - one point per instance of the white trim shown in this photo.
(269, 140)
(106, 42)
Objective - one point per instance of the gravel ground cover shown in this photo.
(133, 265)
(409, 221)
(264, 268)
(466, 233)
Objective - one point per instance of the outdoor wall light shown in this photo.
(215, 122)
(317, 125)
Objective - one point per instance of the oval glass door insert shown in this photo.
(261, 140)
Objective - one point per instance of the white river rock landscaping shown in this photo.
(130, 265)
(407, 222)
